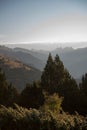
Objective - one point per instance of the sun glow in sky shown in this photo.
(30, 21)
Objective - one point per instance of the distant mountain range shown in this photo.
(48, 46)
(22, 56)
(18, 73)
(75, 60)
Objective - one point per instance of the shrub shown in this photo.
(31, 119)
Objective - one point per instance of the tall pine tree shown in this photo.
(47, 78)
(56, 79)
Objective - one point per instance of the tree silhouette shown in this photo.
(83, 84)
(32, 96)
(47, 78)
(56, 79)
(8, 94)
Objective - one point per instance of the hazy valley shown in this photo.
(75, 60)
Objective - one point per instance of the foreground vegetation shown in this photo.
(32, 119)
(50, 104)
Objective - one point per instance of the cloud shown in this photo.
(2, 36)
(61, 29)
(3, 39)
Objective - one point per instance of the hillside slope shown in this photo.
(18, 73)
(24, 57)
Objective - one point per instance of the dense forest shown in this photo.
(56, 102)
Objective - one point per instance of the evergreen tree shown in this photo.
(83, 84)
(8, 94)
(55, 75)
(13, 95)
(56, 79)
(58, 71)
(32, 96)
(47, 78)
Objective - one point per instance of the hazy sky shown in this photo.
(43, 21)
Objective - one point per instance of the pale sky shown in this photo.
(27, 21)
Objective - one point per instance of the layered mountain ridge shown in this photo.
(18, 73)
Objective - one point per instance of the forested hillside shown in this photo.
(55, 102)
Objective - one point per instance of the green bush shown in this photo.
(52, 103)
